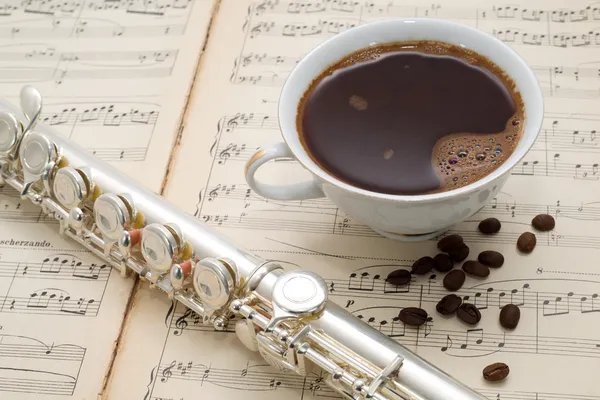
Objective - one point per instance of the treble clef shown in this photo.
(181, 322)
(225, 153)
(213, 194)
(232, 123)
(166, 373)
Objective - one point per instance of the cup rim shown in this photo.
(506, 167)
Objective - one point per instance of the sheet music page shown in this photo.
(553, 354)
(115, 76)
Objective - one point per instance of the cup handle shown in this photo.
(297, 191)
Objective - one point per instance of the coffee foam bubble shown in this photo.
(463, 158)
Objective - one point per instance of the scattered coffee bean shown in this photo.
(454, 280)
(468, 313)
(491, 258)
(495, 372)
(459, 253)
(443, 262)
(398, 277)
(526, 242)
(413, 316)
(543, 222)
(450, 242)
(448, 304)
(489, 226)
(510, 316)
(476, 268)
(423, 265)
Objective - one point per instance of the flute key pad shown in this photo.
(158, 247)
(111, 216)
(9, 132)
(37, 152)
(213, 282)
(69, 187)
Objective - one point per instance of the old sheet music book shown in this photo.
(117, 77)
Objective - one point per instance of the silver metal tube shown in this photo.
(219, 277)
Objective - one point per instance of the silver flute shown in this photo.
(285, 316)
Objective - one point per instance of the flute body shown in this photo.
(284, 315)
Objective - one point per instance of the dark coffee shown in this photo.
(411, 118)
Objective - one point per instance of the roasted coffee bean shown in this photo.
(495, 372)
(413, 316)
(449, 242)
(489, 226)
(476, 268)
(468, 313)
(448, 304)
(443, 262)
(454, 280)
(543, 222)
(526, 242)
(510, 316)
(491, 258)
(423, 265)
(398, 277)
(459, 253)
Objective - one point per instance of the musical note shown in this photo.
(585, 302)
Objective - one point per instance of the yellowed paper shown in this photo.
(115, 77)
(554, 353)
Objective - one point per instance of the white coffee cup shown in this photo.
(411, 217)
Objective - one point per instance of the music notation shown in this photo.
(113, 155)
(113, 75)
(340, 225)
(540, 32)
(26, 347)
(102, 115)
(185, 320)
(504, 12)
(63, 267)
(556, 287)
(56, 284)
(130, 126)
(252, 377)
(32, 366)
(41, 63)
(241, 152)
(10, 212)
(569, 82)
(373, 286)
(95, 19)
(502, 206)
(51, 302)
(561, 132)
(258, 378)
(478, 343)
